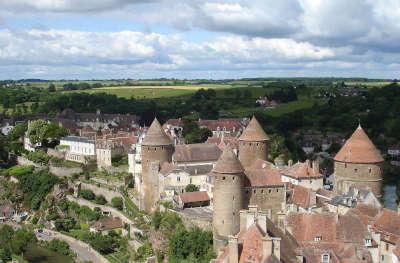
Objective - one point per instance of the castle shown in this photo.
(244, 178)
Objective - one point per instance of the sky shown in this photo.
(103, 39)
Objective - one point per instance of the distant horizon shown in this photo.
(197, 79)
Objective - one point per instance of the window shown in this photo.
(178, 178)
(325, 258)
(318, 238)
(269, 191)
(345, 165)
(370, 170)
(387, 247)
(355, 170)
(223, 178)
(367, 242)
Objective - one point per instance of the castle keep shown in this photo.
(156, 149)
(358, 164)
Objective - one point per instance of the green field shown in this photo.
(152, 92)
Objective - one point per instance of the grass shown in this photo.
(302, 103)
(40, 254)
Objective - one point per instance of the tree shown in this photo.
(87, 194)
(194, 243)
(52, 88)
(117, 202)
(191, 188)
(40, 131)
(18, 132)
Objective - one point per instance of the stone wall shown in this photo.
(359, 176)
(62, 171)
(108, 194)
(268, 198)
(251, 151)
(24, 161)
(55, 153)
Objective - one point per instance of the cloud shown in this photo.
(67, 6)
(237, 37)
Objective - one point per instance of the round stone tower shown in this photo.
(358, 164)
(253, 144)
(157, 148)
(228, 175)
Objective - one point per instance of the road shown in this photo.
(83, 251)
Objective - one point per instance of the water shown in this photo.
(390, 197)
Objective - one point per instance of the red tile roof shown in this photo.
(359, 149)
(263, 173)
(191, 197)
(301, 196)
(228, 163)
(196, 152)
(388, 223)
(254, 132)
(302, 171)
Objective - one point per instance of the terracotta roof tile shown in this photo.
(302, 171)
(196, 152)
(254, 132)
(190, 197)
(388, 222)
(301, 196)
(262, 173)
(359, 149)
(228, 163)
(156, 136)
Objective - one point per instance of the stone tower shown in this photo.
(228, 175)
(157, 148)
(253, 144)
(358, 164)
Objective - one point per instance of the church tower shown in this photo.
(228, 175)
(358, 164)
(157, 148)
(253, 144)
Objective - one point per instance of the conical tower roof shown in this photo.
(359, 149)
(155, 135)
(254, 132)
(228, 163)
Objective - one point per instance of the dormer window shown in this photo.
(318, 238)
(367, 242)
(325, 258)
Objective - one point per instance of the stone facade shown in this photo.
(358, 175)
(249, 151)
(156, 149)
(227, 204)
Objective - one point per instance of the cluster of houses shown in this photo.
(261, 211)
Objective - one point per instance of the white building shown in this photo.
(79, 149)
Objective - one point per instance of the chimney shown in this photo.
(290, 163)
(233, 249)
(266, 247)
(315, 166)
(276, 244)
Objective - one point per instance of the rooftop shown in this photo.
(254, 132)
(228, 163)
(156, 136)
(359, 149)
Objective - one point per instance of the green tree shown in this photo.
(52, 88)
(191, 188)
(117, 202)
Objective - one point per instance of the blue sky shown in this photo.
(101, 39)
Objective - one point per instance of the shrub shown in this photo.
(191, 188)
(60, 246)
(117, 202)
(20, 170)
(87, 194)
(101, 200)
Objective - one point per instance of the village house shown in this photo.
(78, 149)
(107, 224)
(305, 174)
